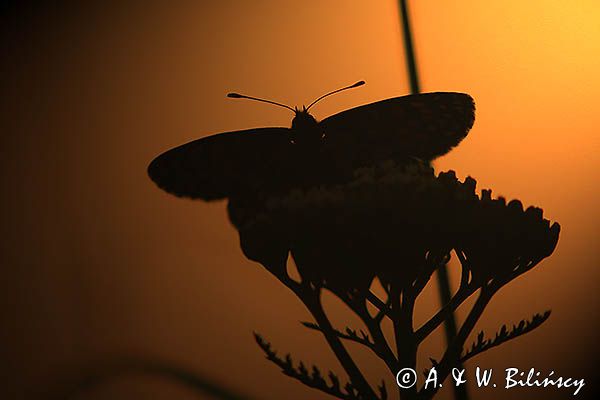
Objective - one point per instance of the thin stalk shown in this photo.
(374, 327)
(442, 315)
(312, 302)
(452, 355)
(406, 346)
(411, 62)
(460, 393)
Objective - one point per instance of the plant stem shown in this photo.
(312, 301)
(442, 315)
(374, 327)
(451, 357)
(460, 393)
(406, 345)
(411, 62)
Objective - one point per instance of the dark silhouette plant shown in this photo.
(352, 198)
(398, 223)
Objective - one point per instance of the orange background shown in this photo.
(99, 263)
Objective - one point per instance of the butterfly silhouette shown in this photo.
(422, 126)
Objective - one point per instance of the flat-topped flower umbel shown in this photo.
(398, 224)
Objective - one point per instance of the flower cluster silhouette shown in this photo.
(398, 223)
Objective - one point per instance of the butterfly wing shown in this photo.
(425, 126)
(221, 165)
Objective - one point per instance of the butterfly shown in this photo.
(422, 126)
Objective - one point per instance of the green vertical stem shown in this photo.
(460, 392)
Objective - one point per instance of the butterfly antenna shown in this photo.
(241, 96)
(357, 84)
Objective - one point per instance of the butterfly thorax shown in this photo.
(306, 131)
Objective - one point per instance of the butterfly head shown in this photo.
(305, 128)
(303, 120)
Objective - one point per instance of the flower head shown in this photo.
(390, 221)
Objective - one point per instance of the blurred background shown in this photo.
(99, 264)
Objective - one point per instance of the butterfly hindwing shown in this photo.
(217, 166)
(424, 126)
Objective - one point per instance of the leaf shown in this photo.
(314, 380)
(504, 335)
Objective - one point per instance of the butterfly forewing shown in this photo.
(424, 126)
(218, 166)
